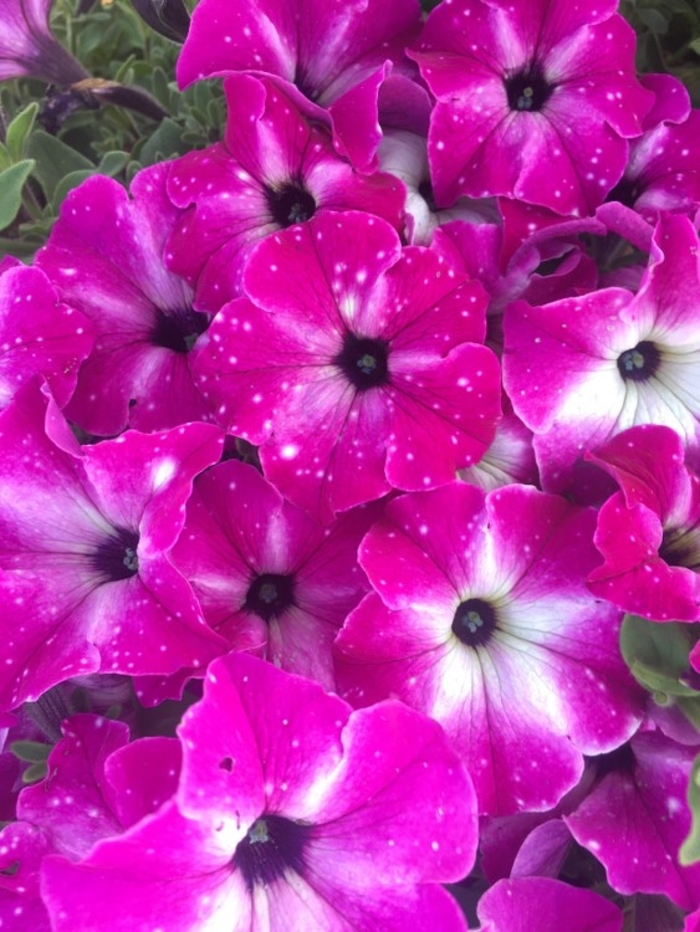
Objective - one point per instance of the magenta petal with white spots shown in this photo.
(85, 542)
(649, 534)
(483, 621)
(275, 168)
(534, 102)
(333, 56)
(269, 578)
(38, 335)
(292, 812)
(636, 818)
(22, 849)
(105, 258)
(581, 370)
(355, 375)
(525, 904)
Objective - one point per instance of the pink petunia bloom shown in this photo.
(334, 57)
(481, 619)
(87, 583)
(268, 578)
(97, 785)
(636, 817)
(39, 335)
(580, 370)
(649, 532)
(535, 101)
(292, 812)
(663, 170)
(525, 904)
(275, 168)
(105, 258)
(357, 365)
(29, 48)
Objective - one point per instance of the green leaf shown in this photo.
(164, 143)
(694, 46)
(54, 160)
(653, 20)
(690, 849)
(657, 654)
(19, 130)
(12, 181)
(34, 773)
(5, 158)
(112, 163)
(30, 751)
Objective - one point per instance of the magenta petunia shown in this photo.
(97, 785)
(535, 101)
(540, 903)
(268, 578)
(481, 619)
(358, 366)
(649, 532)
(334, 57)
(663, 170)
(637, 816)
(87, 583)
(105, 258)
(39, 335)
(275, 168)
(581, 370)
(292, 812)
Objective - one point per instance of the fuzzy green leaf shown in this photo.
(12, 181)
(54, 160)
(19, 131)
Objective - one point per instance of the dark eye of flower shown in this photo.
(625, 191)
(681, 547)
(270, 595)
(272, 846)
(290, 204)
(116, 557)
(363, 362)
(639, 363)
(528, 90)
(474, 622)
(178, 330)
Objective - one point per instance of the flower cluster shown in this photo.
(332, 456)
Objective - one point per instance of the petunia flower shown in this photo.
(29, 48)
(481, 619)
(105, 258)
(292, 812)
(527, 903)
(334, 58)
(86, 582)
(636, 817)
(649, 532)
(274, 169)
(39, 335)
(580, 370)
(535, 101)
(269, 578)
(357, 365)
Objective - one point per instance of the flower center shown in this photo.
(681, 547)
(271, 846)
(116, 558)
(363, 362)
(474, 622)
(290, 204)
(178, 330)
(639, 363)
(270, 595)
(527, 89)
